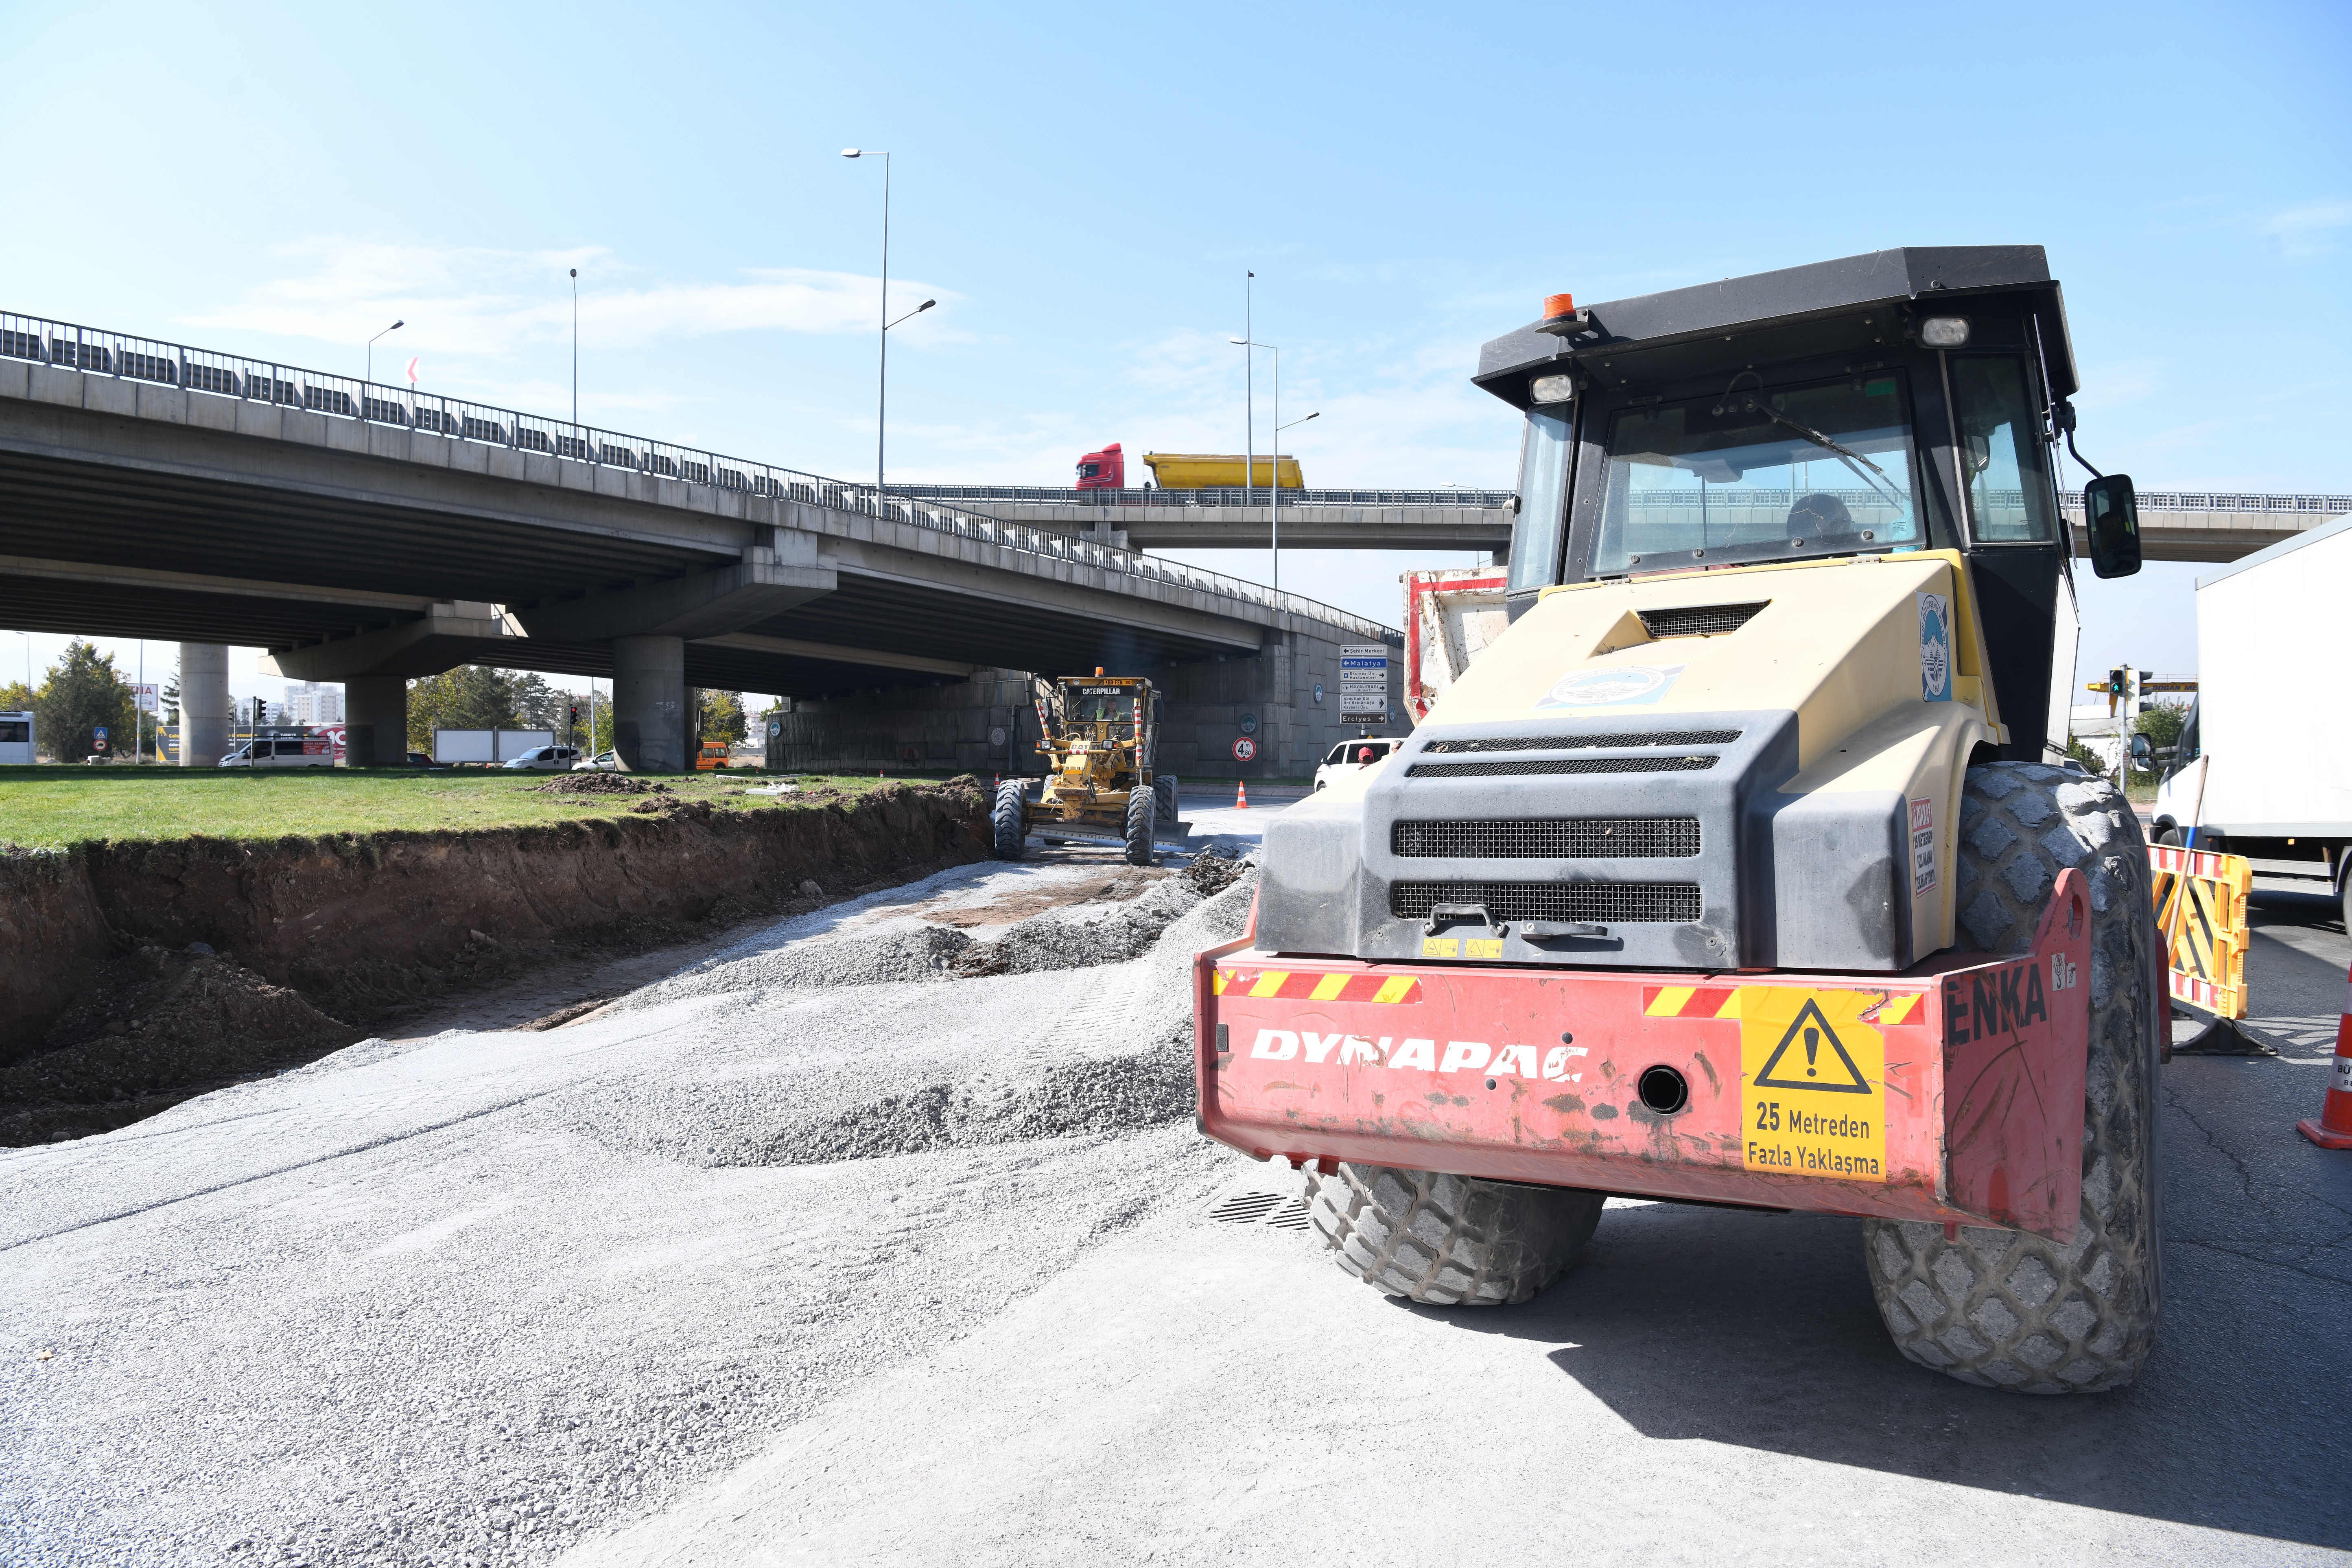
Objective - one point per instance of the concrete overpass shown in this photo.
(2175, 525)
(367, 536)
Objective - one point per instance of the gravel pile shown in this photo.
(470, 1299)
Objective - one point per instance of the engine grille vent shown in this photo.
(1554, 838)
(1498, 769)
(1698, 620)
(1586, 742)
(1626, 904)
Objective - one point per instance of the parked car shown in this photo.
(602, 762)
(1348, 755)
(420, 760)
(544, 759)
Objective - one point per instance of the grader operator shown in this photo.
(1744, 867)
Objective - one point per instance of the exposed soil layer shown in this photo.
(134, 974)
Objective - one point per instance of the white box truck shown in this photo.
(2254, 775)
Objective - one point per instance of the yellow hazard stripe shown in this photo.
(1730, 1008)
(1327, 989)
(1396, 988)
(1669, 1001)
(1270, 982)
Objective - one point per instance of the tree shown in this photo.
(539, 705)
(15, 697)
(172, 697)
(471, 697)
(722, 716)
(84, 691)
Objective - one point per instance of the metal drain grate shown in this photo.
(1245, 1208)
(1291, 1215)
(1555, 838)
(1515, 767)
(1585, 742)
(1698, 620)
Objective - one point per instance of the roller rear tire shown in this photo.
(1998, 1308)
(1451, 1240)
(1008, 819)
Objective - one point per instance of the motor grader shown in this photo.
(1745, 868)
(1098, 733)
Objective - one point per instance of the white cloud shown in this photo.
(493, 303)
(2308, 229)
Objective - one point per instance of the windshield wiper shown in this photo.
(1845, 454)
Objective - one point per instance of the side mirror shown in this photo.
(2142, 754)
(2111, 517)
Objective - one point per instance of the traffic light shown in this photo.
(2115, 683)
(575, 714)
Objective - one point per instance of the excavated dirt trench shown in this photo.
(133, 975)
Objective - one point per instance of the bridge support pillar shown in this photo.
(375, 716)
(203, 704)
(649, 714)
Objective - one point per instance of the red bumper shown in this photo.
(1952, 1092)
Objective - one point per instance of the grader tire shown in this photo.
(1998, 1308)
(1163, 785)
(1450, 1240)
(1008, 819)
(1139, 825)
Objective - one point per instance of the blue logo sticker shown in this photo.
(1934, 647)
(1622, 686)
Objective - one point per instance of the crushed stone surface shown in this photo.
(474, 1297)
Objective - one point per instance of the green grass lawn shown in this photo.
(53, 807)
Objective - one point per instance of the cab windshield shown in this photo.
(1821, 469)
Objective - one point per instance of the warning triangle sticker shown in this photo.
(1816, 1061)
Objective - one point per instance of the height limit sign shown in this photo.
(1363, 683)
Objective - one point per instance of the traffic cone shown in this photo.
(1240, 796)
(2334, 1128)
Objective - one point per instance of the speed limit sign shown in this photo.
(1244, 748)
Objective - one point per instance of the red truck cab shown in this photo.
(1102, 470)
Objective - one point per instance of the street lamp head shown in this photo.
(1241, 342)
(395, 326)
(925, 306)
(849, 152)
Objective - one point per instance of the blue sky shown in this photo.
(1082, 189)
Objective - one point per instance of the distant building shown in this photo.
(311, 703)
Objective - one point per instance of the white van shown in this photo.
(283, 752)
(16, 738)
(544, 759)
(1349, 755)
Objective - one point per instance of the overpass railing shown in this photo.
(117, 355)
(2200, 500)
(1065, 495)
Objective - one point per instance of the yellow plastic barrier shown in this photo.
(2201, 905)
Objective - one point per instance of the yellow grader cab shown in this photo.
(1097, 735)
(1746, 867)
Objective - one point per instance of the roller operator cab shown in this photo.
(1701, 882)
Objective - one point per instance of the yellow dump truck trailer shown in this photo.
(1213, 471)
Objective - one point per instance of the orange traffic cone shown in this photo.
(1240, 796)
(2334, 1128)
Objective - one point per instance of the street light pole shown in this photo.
(371, 350)
(882, 377)
(1273, 458)
(1278, 475)
(575, 353)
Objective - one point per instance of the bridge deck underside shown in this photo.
(109, 548)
